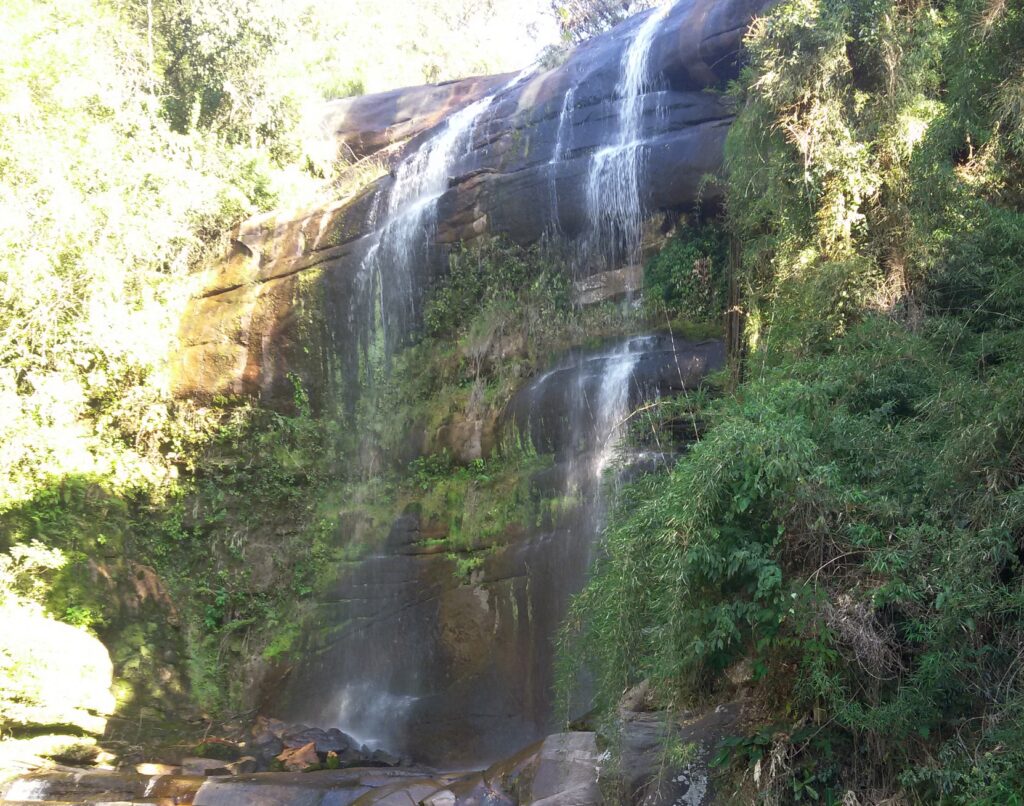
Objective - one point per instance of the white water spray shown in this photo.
(404, 239)
(613, 184)
(563, 142)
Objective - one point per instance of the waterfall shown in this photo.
(602, 392)
(410, 658)
(386, 275)
(563, 141)
(614, 208)
(598, 410)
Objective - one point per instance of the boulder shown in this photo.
(244, 765)
(382, 758)
(324, 741)
(265, 746)
(196, 765)
(568, 771)
(647, 780)
(299, 758)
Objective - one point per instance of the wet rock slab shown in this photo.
(324, 788)
(561, 770)
(568, 769)
(97, 786)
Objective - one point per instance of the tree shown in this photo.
(211, 60)
(581, 19)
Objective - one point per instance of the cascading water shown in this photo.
(614, 206)
(563, 142)
(597, 401)
(408, 657)
(386, 283)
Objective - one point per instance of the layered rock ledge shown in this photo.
(278, 303)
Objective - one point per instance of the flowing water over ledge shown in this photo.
(409, 657)
(402, 654)
(406, 651)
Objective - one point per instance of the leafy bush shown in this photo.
(849, 523)
(689, 275)
(490, 274)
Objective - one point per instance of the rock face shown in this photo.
(290, 296)
(568, 769)
(432, 649)
(647, 779)
(358, 127)
(407, 655)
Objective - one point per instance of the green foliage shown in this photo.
(799, 529)
(223, 751)
(581, 19)
(212, 55)
(819, 159)
(132, 136)
(689, 275)
(494, 274)
(849, 522)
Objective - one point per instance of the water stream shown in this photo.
(386, 283)
(563, 142)
(614, 207)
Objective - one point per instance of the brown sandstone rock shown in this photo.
(299, 758)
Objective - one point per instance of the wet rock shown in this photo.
(646, 778)
(332, 740)
(382, 758)
(195, 765)
(546, 409)
(151, 768)
(324, 788)
(524, 175)
(265, 746)
(609, 285)
(357, 127)
(265, 725)
(568, 769)
(514, 775)
(94, 786)
(244, 765)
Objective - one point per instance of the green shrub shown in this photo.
(689, 275)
